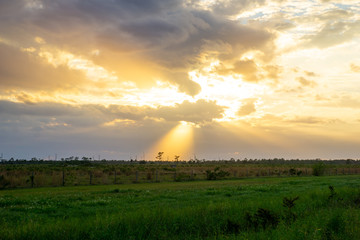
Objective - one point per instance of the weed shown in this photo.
(332, 192)
(335, 226)
(262, 218)
(232, 227)
(333, 195)
(289, 203)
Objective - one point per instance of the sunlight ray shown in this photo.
(178, 141)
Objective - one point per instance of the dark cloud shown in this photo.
(76, 115)
(21, 70)
(169, 35)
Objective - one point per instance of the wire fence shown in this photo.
(94, 176)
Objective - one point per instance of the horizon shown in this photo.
(216, 79)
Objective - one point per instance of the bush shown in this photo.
(3, 182)
(318, 169)
(216, 174)
(262, 218)
(289, 203)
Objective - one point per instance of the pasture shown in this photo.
(308, 207)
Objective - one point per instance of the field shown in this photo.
(327, 207)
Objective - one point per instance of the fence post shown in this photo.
(235, 173)
(137, 176)
(268, 171)
(32, 179)
(247, 172)
(90, 177)
(63, 178)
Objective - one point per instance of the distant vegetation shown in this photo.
(73, 171)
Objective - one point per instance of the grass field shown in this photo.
(249, 208)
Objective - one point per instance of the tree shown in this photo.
(177, 158)
(159, 156)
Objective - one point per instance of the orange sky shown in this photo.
(215, 79)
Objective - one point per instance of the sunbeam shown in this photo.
(178, 141)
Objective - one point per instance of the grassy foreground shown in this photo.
(228, 209)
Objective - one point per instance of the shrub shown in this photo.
(263, 217)
(289, 203)
(232, 227)
(3, 182)
(216, 174)
(318, 169)
(292, 171)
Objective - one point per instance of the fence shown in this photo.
(74, 177)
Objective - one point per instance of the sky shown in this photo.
(120, 79)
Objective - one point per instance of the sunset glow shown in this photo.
(112, 78)
(178, 141)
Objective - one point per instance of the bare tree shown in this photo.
(159, 156)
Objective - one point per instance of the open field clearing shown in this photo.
(327, 207)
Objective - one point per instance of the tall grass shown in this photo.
(191, 210)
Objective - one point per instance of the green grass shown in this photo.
(184, 210)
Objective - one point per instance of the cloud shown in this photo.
(26, 98)
(310, 74)
(307, 120)
(247, 108)
(96, 115)
(354, 67)
(198, 112)
(273, 71)
(305, 82)
(23, 71)
(247, 68)
(333, 33)
(233, 7)
(167, 39)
